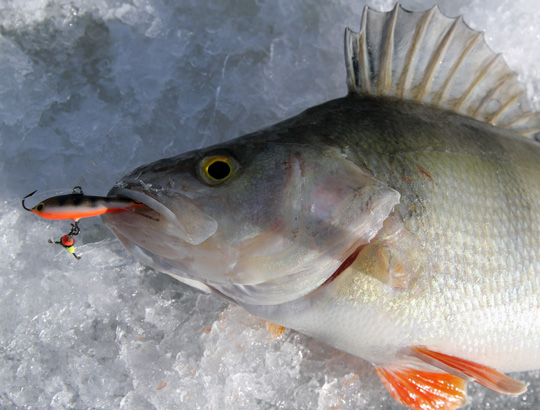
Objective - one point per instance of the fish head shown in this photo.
(259, 222)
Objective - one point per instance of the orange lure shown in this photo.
(77, 205)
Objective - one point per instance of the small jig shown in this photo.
(68, 242)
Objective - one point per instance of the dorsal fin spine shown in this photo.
(357, 59)
(477, 80)
(435, 61)
(385, 75)
(410, 60)
(351, 58)
(522, 118)
(442, 95)
(479, 112)
(530, 131)
(492, 119)
(363, 49)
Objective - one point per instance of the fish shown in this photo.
(399, 223)
(77, 205)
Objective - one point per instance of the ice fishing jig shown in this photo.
(76, 206)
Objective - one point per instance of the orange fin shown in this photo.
(484, 375)
(424, 390)
(274, 330)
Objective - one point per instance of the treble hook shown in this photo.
(68, 243)
(24, 206)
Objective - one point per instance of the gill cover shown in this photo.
(331, 207)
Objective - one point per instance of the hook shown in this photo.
(24, 206)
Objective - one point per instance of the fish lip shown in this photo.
(144, 198)
(191, 223)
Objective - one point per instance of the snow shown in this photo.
(89, 89)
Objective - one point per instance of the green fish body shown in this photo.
(400, 223)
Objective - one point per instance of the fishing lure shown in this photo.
(76, 206)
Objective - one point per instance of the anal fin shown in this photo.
(423, 390)
(483, 375)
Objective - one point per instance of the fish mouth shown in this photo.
(170, 234)
(176, 215)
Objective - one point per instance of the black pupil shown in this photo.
(219, 170)
(39, 207)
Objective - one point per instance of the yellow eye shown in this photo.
(216, 169)
(39, 207)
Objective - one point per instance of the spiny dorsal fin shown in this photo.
(437, 60)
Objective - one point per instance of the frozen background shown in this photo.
(91, 89)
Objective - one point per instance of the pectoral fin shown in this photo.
(391, 256)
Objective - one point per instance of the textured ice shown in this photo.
(91, 88)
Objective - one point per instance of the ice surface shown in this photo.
(91, 88)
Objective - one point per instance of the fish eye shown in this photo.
(216, 169)
(39, 207)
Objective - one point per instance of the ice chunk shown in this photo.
(91, 88)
